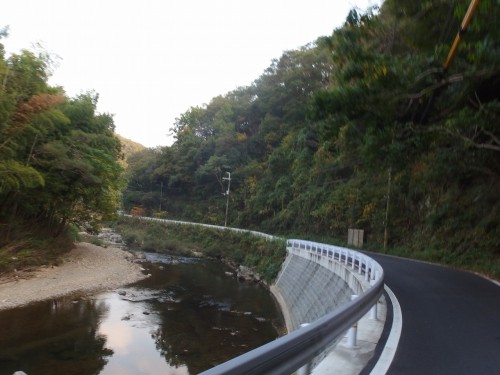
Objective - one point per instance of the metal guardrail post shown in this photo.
(296, 349)
(352, 334)
(374, 309)
(306, 369)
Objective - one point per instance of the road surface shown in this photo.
(451, 319)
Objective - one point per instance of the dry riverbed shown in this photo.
(84, 270)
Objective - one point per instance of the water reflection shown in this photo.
(187, 317)
(58, 337)
(129, 335)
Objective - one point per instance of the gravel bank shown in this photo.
(84, 270)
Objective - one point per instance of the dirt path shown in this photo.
(86, 269)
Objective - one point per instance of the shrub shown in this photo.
(264, 256)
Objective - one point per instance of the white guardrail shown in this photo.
(358, 262)
(289, 353)
(255, 233)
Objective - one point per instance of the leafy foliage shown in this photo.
(58, 156)
(263, 255)
(363, 129)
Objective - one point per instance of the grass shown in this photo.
(23, 248)
(243, 248)
(468, 258)
(262, 255)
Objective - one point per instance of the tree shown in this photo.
(58, 157)
(362, 128)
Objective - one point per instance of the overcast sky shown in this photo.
(151, 60)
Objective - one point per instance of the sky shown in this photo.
(151, 60)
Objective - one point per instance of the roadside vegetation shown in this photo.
(32, 247)
(59, 162)
(262, 255)
(363, 128)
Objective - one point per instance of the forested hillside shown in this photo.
(360, 129)
(128, 148)
(58, 162)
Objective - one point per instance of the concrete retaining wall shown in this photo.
(310, 286)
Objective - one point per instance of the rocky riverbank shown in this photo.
(86, 269)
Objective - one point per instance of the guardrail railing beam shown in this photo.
(288, 353)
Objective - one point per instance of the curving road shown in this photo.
(451, 319)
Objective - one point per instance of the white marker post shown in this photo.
(352, 334)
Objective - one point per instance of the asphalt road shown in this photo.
(451, 319)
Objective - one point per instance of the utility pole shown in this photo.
(228, 179)
(388, 199)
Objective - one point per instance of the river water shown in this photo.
(187, 317)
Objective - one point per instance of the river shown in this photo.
(187, 317)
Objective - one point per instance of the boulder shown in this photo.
(246, 274)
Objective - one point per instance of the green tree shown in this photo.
(362, 128)
(58, 157)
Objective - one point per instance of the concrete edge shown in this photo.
(391, 346)
(276, 292)
(497, 283)
(344, 359)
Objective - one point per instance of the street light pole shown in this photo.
(228, 178)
